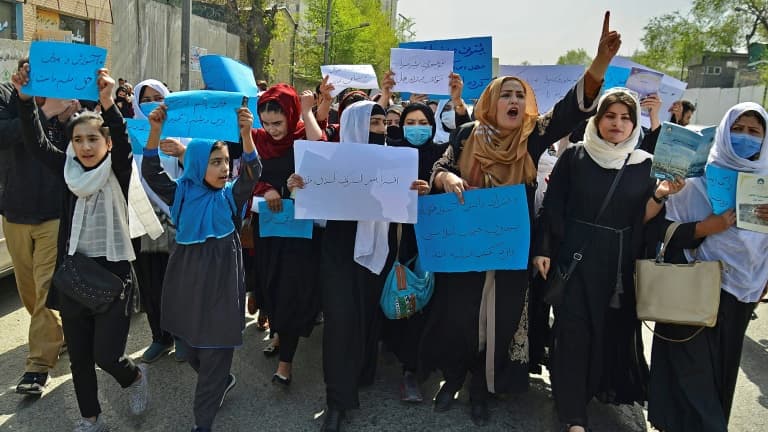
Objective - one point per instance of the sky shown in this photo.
(540, 31)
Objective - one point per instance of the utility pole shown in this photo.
(186, 49)
(327, 38)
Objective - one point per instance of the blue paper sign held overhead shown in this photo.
(203, 114)
(283, 224)
(64, 70)
(226, 74)
(721, 188)
(471, 59)
(615, 76)
(138, 132)
(491, 231)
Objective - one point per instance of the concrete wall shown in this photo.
(10, 53)
(712, 103)
(146, 42)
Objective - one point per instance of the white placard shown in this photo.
(550, 83)
(350, 76)
(362, 182)
(421, 71)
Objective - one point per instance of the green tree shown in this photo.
(255, 22)
(367, 45)
(575, 57)
(748, 17)
(673, 40)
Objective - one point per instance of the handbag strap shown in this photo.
(577, 256)
(664, 338)
(667, 237)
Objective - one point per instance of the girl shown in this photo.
(596, 337)
(94, 223)
(501, 148)
(693, 383)
(291, 298)
(203, 305)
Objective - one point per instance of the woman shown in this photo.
(290, 297)
(152, 260)
(123, 100)
(97, 186)
(692, 384)
(417, 122)
(501, 148)
(354, 256)
(597, 345)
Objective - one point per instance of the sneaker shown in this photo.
(32, 383)
(84, 425)
(231, 382)
(139, 393)
(155, 351)
(409, 389)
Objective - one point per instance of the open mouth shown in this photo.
(513, 112)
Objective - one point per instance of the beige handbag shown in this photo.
(687, 294)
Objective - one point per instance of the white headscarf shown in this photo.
(609, 155)
(441, 136)
(170, 164)
(103, 222)
(743, 252)
(372, 238)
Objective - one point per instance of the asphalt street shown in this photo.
(256, 404)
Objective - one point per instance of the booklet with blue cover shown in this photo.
(681, 151)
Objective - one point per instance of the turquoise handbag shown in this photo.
(406, 291)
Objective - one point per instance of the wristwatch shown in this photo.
(658, 200)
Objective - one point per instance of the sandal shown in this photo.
(271, 350)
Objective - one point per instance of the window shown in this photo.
(732, 64)
(8, 20)
(80, 28)
(713, 70)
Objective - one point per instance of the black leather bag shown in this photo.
(83, 280)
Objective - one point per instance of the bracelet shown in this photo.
(658, 200)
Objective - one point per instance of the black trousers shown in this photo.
(150, 270)
(96, 340)
(288, 345)
(212, 366)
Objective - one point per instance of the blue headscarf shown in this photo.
(207, 212)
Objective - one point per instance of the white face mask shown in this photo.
(449, 119)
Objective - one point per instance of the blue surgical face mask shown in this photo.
(417, 135)
(449, 119)
(745, 146)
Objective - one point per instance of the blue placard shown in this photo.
(138, 133)
(471, 59)
(226, 74)
(203, 114)
(615, 76)
(283, 224)
(491, 231)
(721, 188)
(64, 70)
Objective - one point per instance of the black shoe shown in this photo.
(32, 383)
(479, 412)
(277, 379)
(332, 421)
(231, 383)
(444, 398)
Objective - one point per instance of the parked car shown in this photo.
(6, 266)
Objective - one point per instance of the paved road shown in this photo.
(257, 405)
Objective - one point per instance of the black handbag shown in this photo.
(558, 277)
(83, 280)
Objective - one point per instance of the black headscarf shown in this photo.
(429, 152)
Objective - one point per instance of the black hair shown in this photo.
(218, 145)
(418, 106)
(86, 117)
(270, 106)
(687, 106)
(754, 115)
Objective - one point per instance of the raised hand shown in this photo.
(106, 86)
(610, 41)
(20, 78)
